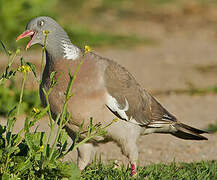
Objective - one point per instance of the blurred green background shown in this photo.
(15, 14)
(90, 21)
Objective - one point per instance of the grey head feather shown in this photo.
(58, 44)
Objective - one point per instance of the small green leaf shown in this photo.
(5, 49)
(33, 68)
(6, 176)
(69, 170)
(10, 123)
(26, 124)
(52, 78)
(42, 113)
(22, 166)
(12, 111)
(63, 136)
(35, 141)
(16, 138)
(90, 127)
(2, 129)
(22, 62)
(10, 150)
(11, 74)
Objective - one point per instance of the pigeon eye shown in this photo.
(41, 23)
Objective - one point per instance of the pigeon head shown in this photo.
(57, 42)
(37, 27)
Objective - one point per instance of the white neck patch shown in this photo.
(70, 51)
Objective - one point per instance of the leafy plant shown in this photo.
(33, 155)
(10, 95)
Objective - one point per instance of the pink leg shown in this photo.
(133, 169)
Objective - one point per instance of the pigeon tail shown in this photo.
(187, 132)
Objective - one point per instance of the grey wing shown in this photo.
(127, 100)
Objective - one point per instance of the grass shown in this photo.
(9, 96)
(81, 36)
(197, 170)
(210, 68)
(189, 91)
(212, 128)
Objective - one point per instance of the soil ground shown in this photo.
(173, 62)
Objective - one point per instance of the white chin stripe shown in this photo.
(116, 107)
(70, 51)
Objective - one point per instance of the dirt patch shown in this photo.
(170, 64)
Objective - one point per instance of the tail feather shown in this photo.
(198, 131)
(187, 132)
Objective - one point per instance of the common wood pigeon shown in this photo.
(103, 90)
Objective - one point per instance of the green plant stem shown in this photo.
(30, 125)
(52, 127)
(10, 61)
(21, 93)
(77, 69)
(46, 94)
(60, 125)
(43, 55)
(91, 136)
(68, 95)
(85, 140)
(18, 110)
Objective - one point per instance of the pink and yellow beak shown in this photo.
(27, 33)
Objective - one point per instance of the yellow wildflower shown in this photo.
(24, 68)
(87, 49)
(115, 120)
(36, 110)
(41, 148)
(46, 32)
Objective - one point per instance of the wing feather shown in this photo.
(142, 107)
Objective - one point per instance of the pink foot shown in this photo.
(133, 169)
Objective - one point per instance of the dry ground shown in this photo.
(171, 63)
